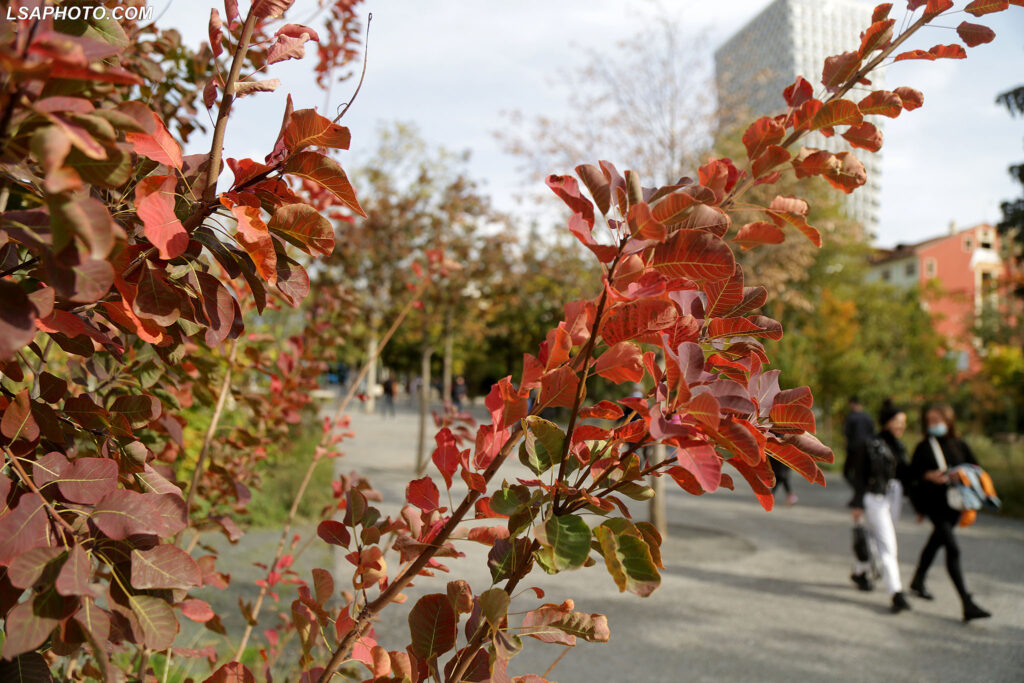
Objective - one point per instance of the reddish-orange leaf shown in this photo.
(810, 162)
(975, 34)
(327, 173)
(157, 145)
(877, 36)
(772, 157)
(798, 396)
(762, 492)
(837, 113)
(306, 128)
(703, 463)
(568, 190)
(725, 294)
(755, 234)
(797, 460)
(936, 7)
(558, 346)
(643, 225)
(797, 221)
(914, 54)
(694, 254)
(839, 69)
(790, 204)
(605, 410)
(763, 132)
(623, 362)
(953, 51)
(792, 418)
(881, 102)
(635, 318)
(705, 409)
(558, 388)
(738, 440)
(866, 136)
(154, 205)
(799, 92)
(720, 328)
(255, 238)
(982, 7)
(911, 99)
(303, 226)
(881, 12)
(848, 174)
(673, 208)
(805, 114)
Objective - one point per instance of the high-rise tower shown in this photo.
(790, 38)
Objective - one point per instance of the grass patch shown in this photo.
(281, 475)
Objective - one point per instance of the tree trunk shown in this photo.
(421, 443)
(659, 517)
(446, 371)
(371, 375)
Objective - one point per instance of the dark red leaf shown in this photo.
(772, 157)
(799, 92)
(17, 422)
(433, 626)
(755, 234)
(975, 34)
(17, 319)
(446, 455)
(334, 532)
(761, 134)
(75, 574)
(866, 136)
(882, 102)
(88, 480)
(165, 566)
(232, 672)
(876, 37)
(636, 318)
(327, 173)
(26, 630)
(558, 388)
(423, 493)
(981, 7)
(124, 513)
(911, 99)
(839, 69)
(694, 254)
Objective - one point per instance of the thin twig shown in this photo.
(366, 52)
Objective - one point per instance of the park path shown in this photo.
(746, 595)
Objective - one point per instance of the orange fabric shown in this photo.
(967, 517)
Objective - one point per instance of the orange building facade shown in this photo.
(959, 275)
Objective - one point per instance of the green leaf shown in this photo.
(507, 556)
(494, 606)
(566, 542)
(305, 227)
(628, 557)
(433, 626)
(542, 447)
(509, 499)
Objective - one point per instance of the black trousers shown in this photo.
(944, 522)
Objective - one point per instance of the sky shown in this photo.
(452, 67)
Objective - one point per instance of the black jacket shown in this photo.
(873, 463)
(929, 498)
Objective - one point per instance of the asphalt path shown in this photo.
(746, 595)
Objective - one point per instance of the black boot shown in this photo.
(899, 603)
(862, 581)
(918, 589)
(972, 611)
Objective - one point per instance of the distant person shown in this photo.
(389, 396)
(459, 392)
(877, 466)
(857, 427)
(782, 479)
(940, 449)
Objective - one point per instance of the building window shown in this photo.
(910, 269)
(988, 284)
(886, 275)
(968, 244)
(986, 239)
(931, 269)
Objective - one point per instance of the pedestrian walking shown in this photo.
(782, 479)
(389, 396)
(877, 466)
(459, 392)
(940, 449)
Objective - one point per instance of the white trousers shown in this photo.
(880, 514)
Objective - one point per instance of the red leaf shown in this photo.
(605, 410)
(307, 128)
(936, 7)
(124, 513)
(154, 205)
(327, 173)
(797, 460)
(981, 7)
(213, 30)
(333, 532)
(792, 417)
(839, 69)
(232, 672)
(75, 574)
(914, 54)
(287, 47)
(761, 134)
(694, 254)
(837, 113)
(763, 493)
(799, 92)
(254, 236)
(975, 34)
(738, 440)
(723, 295)
(623, 362)
(18, 422)
(755, 234)
(703, 463)
(866, 136)
(157, 144)
(643, 225)
(705, 409)
(882, 102)
(578, 227)
(87, 480)
(23, 528)
(165, 566)
(155, 298)
(433, 625)
(558, 388)
(847, 175)
(772, 157)
(953, 51)
(672, 209)
(17, 319)
(197, 610)
(797, 396)
(568, 190)
(803, 116)
(911, 99)
(720, 328)
(877, 36)
(270, 8)
(423, 493)
(446, 455)
(637, 318)
(26, 630)
(881, 12)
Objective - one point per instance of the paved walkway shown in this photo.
(748, 595)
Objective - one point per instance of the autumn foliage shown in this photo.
(128, 271)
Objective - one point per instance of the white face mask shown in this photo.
(938, 430)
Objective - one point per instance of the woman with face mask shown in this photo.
(940, 450)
